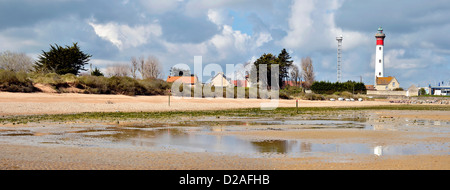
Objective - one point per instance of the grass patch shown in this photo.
(440, 96)
(247, 112)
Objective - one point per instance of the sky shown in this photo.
(417, 44)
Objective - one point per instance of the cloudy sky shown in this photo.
(417, 46)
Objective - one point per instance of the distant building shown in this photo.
(439, 90)
(386, 83)
(370, 87)
(293, 83)
(219, 80)
(240, 83)
(413, 90)
(191, 80)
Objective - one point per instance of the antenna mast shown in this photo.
(339, 50)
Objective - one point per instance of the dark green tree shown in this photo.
(285, 63)
(97, 72)
(422, 91)
(267, 59)
(62, 60)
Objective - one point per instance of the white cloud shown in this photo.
(300, 23)
(397, 59)
(229, 40)
(312, 27)
(235, 42)
(217, 16)
(124, 36)
(262, 38)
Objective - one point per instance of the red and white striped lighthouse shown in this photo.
(379, 57)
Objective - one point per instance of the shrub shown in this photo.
(124, 85)
(284, 95)
(49, 78)
(15, 82)
(312, 96)
(93, 84)
(69, 78)
(289, 91)
(346, 94)
(155, 86)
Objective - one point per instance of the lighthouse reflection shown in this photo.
(378, 150)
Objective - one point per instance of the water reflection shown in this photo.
(305, 147)
(271, 146)
(378, 150)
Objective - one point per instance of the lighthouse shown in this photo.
(379, 57)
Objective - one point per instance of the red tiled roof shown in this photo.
(183, 79)
(293, 83)
(370, 87)
(239, 83)
(384, 80)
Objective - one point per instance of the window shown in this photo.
(393, 84)
(379, 74)
(379, 61)
(379, 48)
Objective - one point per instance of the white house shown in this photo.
(219, 80)
(386, 83)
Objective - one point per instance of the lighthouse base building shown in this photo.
(386, 83)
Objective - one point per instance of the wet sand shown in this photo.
(19, 155)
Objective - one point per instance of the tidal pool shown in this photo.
(211, 135)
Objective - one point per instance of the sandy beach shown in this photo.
(56, 146)
(52, 103)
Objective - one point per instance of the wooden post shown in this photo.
(169, 97)
(296, 104)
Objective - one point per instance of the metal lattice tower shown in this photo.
(339, 51)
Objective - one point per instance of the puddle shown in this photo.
(195, 136)
(318, 123)
(194, 142)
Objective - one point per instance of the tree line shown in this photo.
(322, 87)
(287, 70)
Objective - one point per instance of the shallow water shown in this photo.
(204, 135)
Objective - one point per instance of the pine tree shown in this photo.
(62, 60)
(97, 72)
(267, 59)
(285, 63)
